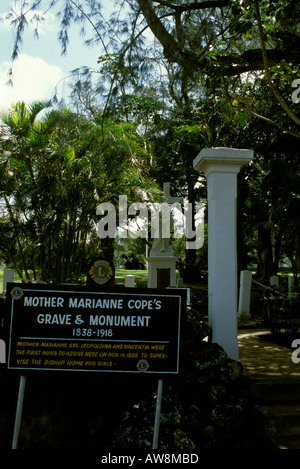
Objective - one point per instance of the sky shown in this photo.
(40, 67)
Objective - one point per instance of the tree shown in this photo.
(176, 26)
(215, 40)
(15, 133)
(268, 187)
(270, 201)
(55, 172)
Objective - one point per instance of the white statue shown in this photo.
(162, 225)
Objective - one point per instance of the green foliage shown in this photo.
(204, 84)
(55, 172)
(131, 253)
(133, 261)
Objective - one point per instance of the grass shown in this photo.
(120, 275)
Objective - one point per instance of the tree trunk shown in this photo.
(265, 266)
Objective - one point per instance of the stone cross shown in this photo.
(162, 262)
(161, 245)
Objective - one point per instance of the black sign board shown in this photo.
(72, 328)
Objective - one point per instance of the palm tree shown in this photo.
(16, 130)
(56, 171)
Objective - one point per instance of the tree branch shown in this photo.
(266, 119)
(171, 48)
(226, 65)
(91, 23)
(273, 88)
(194, 5)
(252, 60)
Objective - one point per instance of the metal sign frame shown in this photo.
(71, 328)
(155, 314)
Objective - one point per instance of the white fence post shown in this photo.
(245, 294)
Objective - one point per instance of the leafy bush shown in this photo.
(133, 261)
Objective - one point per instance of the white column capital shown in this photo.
(222, 159)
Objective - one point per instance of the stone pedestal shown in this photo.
(161, 271)
(221, 166)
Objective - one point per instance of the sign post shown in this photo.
(157, 414)
(74, 328)
(19, 412)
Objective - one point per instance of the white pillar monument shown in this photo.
(221, 166)
(245, 295)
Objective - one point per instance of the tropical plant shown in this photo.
(55, 172)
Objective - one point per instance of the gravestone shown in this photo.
(129, 281)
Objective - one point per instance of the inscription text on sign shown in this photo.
(70, 328)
